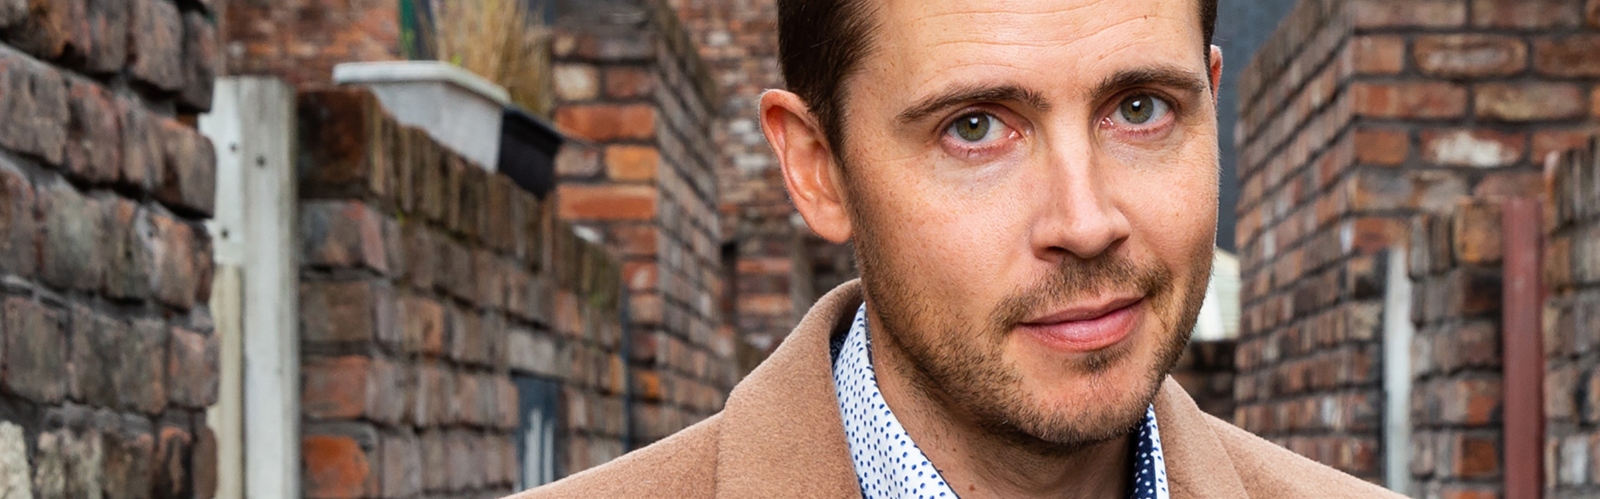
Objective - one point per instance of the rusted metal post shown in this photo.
(1524, 355)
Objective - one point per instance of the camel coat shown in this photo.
(780, 435)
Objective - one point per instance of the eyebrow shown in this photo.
(1163, 76)
(1158, 76)
(963, 94)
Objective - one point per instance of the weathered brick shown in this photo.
(201, 58)
(155, 46)
(1408, 100)
(72, 254)
(401, 465)
(435, 476)
(130, 451)
(629, 82)
(348, 312)
(339, 135)
(187, 180)
(129, 250)
(140, 385)
(143, 147)
(1525, 13)
(108, 36)
(578, 161)
(35, 351)
(433, 385)
(33, 108)
(1470, 55)
(607, 122)
(463, 400)
(94, 134)
(422, 325)
(1567, 56)
(1593, 14)
(203, 462)
(192, 363)
(51, 28)
(1479, 148)
(342, 234)
(1528, 101)
(1369, 14)
(173, 445)
(575, 82)
(177, 257)
(340, 461)
(19, 229)
(68, 464)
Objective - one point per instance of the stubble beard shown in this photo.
(970, 378)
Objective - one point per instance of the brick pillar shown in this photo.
(1572, 317)
(1354, 117)
(109, 352)
(781, 268)
(631, 88)
(1456, 362)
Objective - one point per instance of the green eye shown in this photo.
(973, 127)
(1141, 109)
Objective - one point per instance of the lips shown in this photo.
(1085, 327)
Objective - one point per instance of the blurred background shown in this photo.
(458, 248)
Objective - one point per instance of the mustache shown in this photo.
(1078, 280)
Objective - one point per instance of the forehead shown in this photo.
(929, 42)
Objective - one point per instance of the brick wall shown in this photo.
(631, 86)
(109, 355)
(1354, 117)
(1206, 372)
(302, 40)
(1572, 319)
(428, 285)
(780, 267)
(1456, 401)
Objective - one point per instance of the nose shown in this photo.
(1080, 216)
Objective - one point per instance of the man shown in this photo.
(1031, 190)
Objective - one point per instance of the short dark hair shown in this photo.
(821, 42)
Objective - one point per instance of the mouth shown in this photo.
(1085, 327)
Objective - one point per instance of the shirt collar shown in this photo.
(889, 464)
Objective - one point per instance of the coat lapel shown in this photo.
(782, 435)
(1198, 465)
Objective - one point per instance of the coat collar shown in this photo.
(782, 435)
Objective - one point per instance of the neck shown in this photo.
(979, 464)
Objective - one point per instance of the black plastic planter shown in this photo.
(528, 149)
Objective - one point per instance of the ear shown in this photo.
(1216, 72)
(809, 171)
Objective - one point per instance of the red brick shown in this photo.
(422, 325)
(1381, 147)
(143, 151)
(178, 257)
(625, 163)
(1528, 101)
(1593, 15)
(629, 82)
(577, 161)
(129, 453)
(1408, 100)
(1547, 141)
(1470, 55)
(637, 240)
(50, 28)
(1379, 55)
(1408, 14)
(1568, 56)
(201, 57)
(1525, 13)
(1594, 101)
(344, 312)
(173, 443)
(335, 387)
(72, 252)
(18, 226)
(336, 467)
(342, 234)
(141, 366)
(1475, 456)
(187, 180)
(203, 462)
(1481, 148)
(339, 130)
(606, 122)
(607, 202)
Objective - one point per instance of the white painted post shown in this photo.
(1397, 333)
(257, 419)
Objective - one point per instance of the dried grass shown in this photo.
(499, 40)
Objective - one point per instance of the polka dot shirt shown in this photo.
(888, 463)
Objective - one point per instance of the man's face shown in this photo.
(1032, 190)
